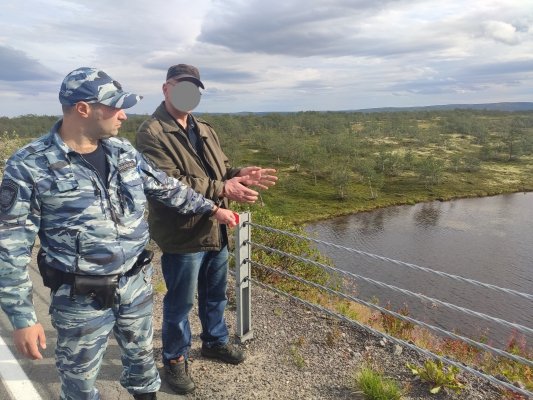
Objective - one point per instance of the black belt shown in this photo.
(54, 278)
(144, 259)
(100, 287)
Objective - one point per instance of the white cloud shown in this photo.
(502, 32)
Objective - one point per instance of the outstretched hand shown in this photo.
(27, 341)
(262, 178)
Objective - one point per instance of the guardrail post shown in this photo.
(242, 278)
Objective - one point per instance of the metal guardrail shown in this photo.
(244, 262)
(242, 278)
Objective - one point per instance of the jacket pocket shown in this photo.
(66, 185)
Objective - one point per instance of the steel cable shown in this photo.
(441, 331)
(397, 262)
(400, 342)
(454, 307)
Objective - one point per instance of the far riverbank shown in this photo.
(306, 202)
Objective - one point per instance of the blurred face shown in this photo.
(184, 96)
(105, 120)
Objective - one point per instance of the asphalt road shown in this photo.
(42, 373)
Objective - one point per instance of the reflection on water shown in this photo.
(428, 215)
(486, 239)
(371, 223)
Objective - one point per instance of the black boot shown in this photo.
(177, 376)
(228, 353)
(145, 396)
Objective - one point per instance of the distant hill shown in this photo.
(504, 106)
(511, 106)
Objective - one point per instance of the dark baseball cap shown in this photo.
(185, 72)
(92, 85)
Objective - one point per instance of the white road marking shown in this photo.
(13, 376)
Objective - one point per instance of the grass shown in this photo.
(160, 287)
(375, 386)
(297, 357)
(296, 354)
(297, 198)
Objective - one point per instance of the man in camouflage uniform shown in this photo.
(83, 192)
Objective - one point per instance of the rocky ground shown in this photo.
(297, 353)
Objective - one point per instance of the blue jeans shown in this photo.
(183, 273)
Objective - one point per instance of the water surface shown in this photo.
(487, 239)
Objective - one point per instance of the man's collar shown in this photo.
(168, 122)
(56, 137)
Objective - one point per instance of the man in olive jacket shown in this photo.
(194, 247)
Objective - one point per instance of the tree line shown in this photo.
(338, 148)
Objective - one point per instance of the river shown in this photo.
(487, 239)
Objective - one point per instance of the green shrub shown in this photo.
(438, 376)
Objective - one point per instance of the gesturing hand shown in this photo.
(27, 341)
(235, 190)
(263, 178)
(227, 217)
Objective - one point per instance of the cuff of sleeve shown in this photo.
(208, 207)
(20, 321)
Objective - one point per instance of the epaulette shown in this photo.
(37, 146)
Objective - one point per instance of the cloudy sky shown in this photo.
(257, 55)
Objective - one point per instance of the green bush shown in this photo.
(438, 376)
(11, 142)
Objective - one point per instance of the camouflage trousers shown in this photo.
(83, 329)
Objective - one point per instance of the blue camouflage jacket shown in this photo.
(85, 225)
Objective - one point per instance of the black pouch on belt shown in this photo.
(101, 288)
(52, 278)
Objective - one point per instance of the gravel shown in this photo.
(298, 353)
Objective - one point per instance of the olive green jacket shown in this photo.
(164, 142)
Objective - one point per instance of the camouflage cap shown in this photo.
(92, 85)
(185, 72)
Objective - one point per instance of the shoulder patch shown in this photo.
(9, 191)
(126, 165)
